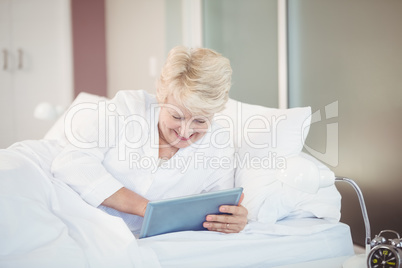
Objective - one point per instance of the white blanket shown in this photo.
(46, 224)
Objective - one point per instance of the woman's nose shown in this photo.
(186, 130)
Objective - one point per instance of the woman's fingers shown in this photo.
(225, 218)
(223, 227)
(235, 210)
(233, 222)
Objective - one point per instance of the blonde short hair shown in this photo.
(199, 79)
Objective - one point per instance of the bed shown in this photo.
(44, 223)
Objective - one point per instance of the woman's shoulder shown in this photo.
(128, 102)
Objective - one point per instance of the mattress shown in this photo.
(288, 242)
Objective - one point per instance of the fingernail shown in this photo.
(223, 209)
(209, 218)
(206, 224)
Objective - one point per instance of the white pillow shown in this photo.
(282, 199)
(282, 131)
(57, 131)
(263, 138)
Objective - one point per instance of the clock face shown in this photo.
(383, 257)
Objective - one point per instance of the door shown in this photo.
(39, 67)
(7, 129)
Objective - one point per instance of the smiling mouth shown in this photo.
(183, 138)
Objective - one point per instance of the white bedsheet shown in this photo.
(45, 224)
(313, 239)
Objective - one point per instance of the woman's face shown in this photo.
(178, 127)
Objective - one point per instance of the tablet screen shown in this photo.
(185, 213)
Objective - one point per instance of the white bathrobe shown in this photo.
(116, 145)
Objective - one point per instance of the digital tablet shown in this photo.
(185, 213)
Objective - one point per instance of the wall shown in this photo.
(173, 24)
(135, 43)
(346, 59)
(89, 46)
(246, 33)
(243, 31)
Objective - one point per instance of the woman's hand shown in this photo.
(127, 201)
(228, 223)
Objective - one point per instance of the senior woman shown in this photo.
(174, 131)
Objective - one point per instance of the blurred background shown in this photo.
(344, 59)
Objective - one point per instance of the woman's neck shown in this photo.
(166, 151)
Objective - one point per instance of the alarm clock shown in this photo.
(385, 253)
